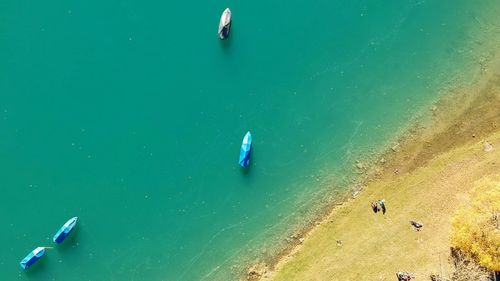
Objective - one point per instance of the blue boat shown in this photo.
(65, 230)
(32, 257)
(246, 148)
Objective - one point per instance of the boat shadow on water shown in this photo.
(246, 171)
(225, 44)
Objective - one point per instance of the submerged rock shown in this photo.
(256, 271)
(395, 147)
(360, 166)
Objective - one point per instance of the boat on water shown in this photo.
(246, 148)
(225, 24)
(64, 231)
(32, 257)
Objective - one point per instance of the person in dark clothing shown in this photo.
(416, 225)
(375, 207)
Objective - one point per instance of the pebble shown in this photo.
(487, 146)
(395, 147)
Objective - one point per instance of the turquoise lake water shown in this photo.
(129, 114)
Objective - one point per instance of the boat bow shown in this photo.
(246, 148)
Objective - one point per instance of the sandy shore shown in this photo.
(425, 176)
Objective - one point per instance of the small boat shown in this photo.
(246, 148)
(65, 230)
(32, 257)
(225, 24)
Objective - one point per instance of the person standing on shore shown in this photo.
(375, 207)
(381, 202)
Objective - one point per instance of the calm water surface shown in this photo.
(129, 114)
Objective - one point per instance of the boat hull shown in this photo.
(225, 24)
(65, 230)
(32, 257)
(245, 150)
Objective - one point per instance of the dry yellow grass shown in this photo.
(375, 246)
(427, 180)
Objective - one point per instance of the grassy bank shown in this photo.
(426, 177)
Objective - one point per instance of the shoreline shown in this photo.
(434, 132)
